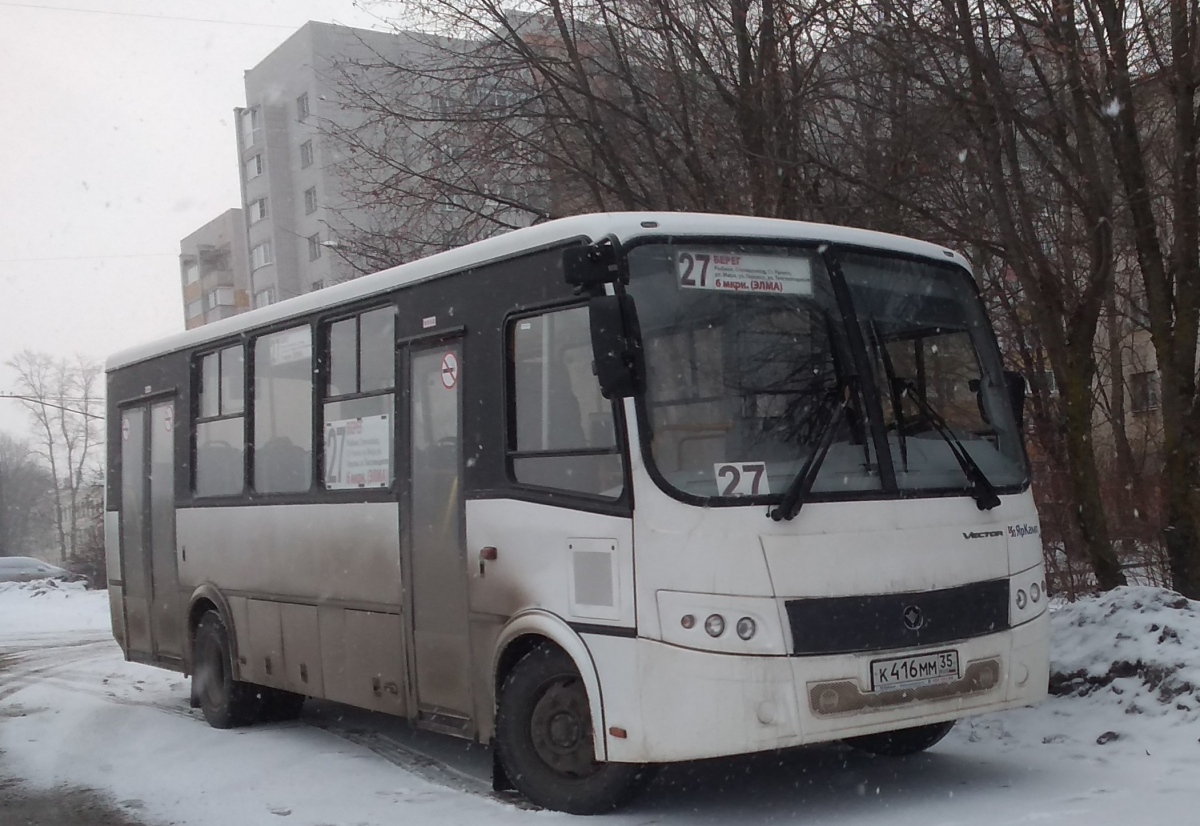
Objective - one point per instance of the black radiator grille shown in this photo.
(842, 625)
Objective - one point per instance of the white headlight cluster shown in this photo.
(1028, 599)
(717, 622)
(714, 625)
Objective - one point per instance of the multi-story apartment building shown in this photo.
(214, 270)
(298, 137)
(294, 198)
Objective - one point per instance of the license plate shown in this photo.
(910, 672)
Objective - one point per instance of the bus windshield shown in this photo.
(748, 355)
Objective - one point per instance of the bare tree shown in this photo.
(60, 395)
(1055, 142)
(1148, 72)
(1023, 180)
(1118, 83)
(561, 108)
(26, 491)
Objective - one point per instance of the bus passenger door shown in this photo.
(434, 519)
(152, 607)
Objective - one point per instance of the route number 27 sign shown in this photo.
(741, 478)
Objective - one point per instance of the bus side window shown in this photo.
(563, 434)
(283, 411)
(219, 431)
(359, 407)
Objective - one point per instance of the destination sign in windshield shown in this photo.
(741, 273)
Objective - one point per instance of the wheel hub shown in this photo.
(564, 730)
(560, 728)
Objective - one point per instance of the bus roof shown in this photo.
(624, 225)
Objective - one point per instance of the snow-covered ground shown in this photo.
(1120, 744)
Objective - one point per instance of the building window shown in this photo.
(283, 411)
(220, 297)
(1048, 381)
(310, 200)
(302, 107)
(306, 154)
(254, 167)
(358, 409)
(264, 297)
(191, 273)
(563, 435)
(258, 210)
(194, 308)
(261, 255)
(250, 130)
(447, 147)
(1143, 391)
(314, 247)
(220, 436)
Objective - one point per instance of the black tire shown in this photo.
(904, 742)
(225, 702)
(544, 740)
(279, 706)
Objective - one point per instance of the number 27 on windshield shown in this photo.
(688, 264)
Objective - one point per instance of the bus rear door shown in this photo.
(151, 571)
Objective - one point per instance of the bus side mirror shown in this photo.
(591, 266)
(1014, 382)
(616, 346)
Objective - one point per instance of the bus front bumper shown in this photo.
(676, 703)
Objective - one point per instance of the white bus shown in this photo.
(607, 492)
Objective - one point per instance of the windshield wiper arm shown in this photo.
(982, 490)
(798, 490)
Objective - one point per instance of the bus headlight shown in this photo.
(745, 628)
(722, 623)
(715, 625)
(1027, 596)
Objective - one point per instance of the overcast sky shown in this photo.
(118, 141)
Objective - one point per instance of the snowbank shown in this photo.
(47, 606)
(73, 712)
(1137, 646)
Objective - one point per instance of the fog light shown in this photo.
(687, 621)
(715, 625)
(1022, 600)
(745, 628)
(1035, 592)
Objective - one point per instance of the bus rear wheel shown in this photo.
(224, 701)
(544, 739)
(904, 742)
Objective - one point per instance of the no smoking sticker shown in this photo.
(449, 371)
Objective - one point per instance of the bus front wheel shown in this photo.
(225, 702)
(903, 742)
(544, 739)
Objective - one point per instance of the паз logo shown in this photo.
(913, 618)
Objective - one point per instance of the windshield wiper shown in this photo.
(798, 490)
(982, 490)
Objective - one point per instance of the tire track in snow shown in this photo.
(59, 665)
